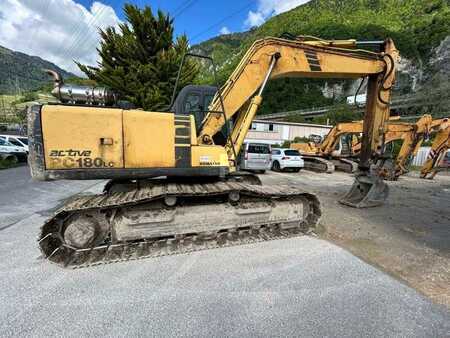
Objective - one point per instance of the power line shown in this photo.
(183, 7)
(80, 35)
(248, 4)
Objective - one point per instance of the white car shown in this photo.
(16, 140)
(8, 150)
(284, 158)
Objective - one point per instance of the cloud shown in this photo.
(254, 19)
(59, 31)
(224, 30)
(268, 8)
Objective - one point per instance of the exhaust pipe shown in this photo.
(75, 94)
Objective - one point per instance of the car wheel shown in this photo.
(276, 166)
(12, 160)
(296, 170)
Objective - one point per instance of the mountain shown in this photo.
(418, 28)
(22, 72)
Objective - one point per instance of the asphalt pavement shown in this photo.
(297, 287)
(21, 197)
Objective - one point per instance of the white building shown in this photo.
(274, 132)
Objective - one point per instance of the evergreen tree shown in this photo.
(140, 60)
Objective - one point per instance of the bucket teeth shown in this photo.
(368, 190)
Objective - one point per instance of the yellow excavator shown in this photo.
(412, 135)
(325, 157)
(339, 148)
(329, 155)
(199, 200)
(438, 151)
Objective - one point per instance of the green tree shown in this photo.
(140, 60)
(337, 114)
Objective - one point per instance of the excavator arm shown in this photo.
(329, 143)
(311, 59)
(439, 148)
(273, 58)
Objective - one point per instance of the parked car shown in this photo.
(285, 158)
(9, 150)
(254, 157)
(16, 140)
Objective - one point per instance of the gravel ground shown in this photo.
(297, 287)
(408, 237)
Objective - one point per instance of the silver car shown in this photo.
(254, 157)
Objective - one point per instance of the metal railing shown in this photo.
(404, 101)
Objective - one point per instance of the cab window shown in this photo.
(207, 101)
(192, 103)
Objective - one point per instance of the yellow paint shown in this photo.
(72, 137)
(209, 156)
(149, 139)
(193, 131)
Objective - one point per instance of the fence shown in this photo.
(421, 156)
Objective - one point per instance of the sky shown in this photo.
(61, 31)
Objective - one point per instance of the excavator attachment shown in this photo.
(368, 190)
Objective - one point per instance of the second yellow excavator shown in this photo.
(329, 155)
(412, 135)
(438, 151)
(199, 201)
(334, 152)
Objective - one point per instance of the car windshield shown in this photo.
(258, 149)
(5, 143)
(24, 140)
(292, 152)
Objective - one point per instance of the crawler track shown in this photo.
(318, 164)
(345, 165)
(211, 197)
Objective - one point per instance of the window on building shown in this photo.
(253, 126)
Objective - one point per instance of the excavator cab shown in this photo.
(194, 100)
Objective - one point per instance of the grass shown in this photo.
(7, 99)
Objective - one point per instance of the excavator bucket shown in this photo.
(368, 190)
